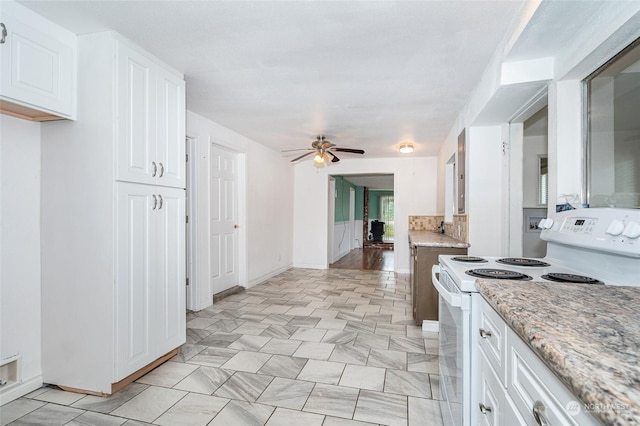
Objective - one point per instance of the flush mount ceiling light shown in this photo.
(406, 148)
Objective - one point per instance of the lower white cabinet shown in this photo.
(150, 271)
(496, 408)
(516, 387)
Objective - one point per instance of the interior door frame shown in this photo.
(191, 209)
(200, 289)
(352, 218)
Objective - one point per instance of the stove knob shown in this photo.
(632, 230)
(615, 228)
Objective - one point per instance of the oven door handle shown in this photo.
(452, 299)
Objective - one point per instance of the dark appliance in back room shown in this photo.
(586, 247)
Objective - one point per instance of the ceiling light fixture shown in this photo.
(318, 159)
(406, 148)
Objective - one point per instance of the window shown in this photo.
(543, 180)
(386, 216)
(613, 131)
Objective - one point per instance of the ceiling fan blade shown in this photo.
(353, 151)
(299, 149)
(302, 156)
(334, 158)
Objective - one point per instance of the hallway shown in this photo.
(368, 259)
(313, 347)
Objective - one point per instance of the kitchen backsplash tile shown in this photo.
(458, 228)
(424, 223)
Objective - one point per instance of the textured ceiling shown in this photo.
(367, 74)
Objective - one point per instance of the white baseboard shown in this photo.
(20, 389)
(265, 277)
(433, 326)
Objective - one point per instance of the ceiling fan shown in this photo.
(324, 152)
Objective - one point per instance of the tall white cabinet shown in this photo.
(113, 220)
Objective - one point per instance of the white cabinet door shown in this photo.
(170, 286)
(496, 408)
(135, 248)
(151, 121)
(38, 62)
(150, 280)
(136, 145)
(170, 151)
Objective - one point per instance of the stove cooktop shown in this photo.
(498, 274)
(464, 270)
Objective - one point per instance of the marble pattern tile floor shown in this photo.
(306, 347)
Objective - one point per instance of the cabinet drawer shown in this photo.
(532, 385)
(493, 341)
(495, 407)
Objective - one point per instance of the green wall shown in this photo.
(342, 199)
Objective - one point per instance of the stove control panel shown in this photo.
(579, 225)
(602, 229)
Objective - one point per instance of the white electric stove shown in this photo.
(585, 247)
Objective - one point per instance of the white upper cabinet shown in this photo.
(38, 66)
(151, 105)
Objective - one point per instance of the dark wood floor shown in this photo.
(371, 259)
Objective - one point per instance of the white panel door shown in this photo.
(224, 219)
(168, 310)
(135, 248)
(136, 109)
(170, 150)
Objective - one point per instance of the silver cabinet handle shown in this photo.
(161, 169)
(155, 202)
(161, 201)
(484, 333)
(155, 169)
(484, 409)
(4, 33)
(538, 414)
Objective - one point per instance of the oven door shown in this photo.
(454, 350)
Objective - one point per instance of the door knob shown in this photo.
(236, 226)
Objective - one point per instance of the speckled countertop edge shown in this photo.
(588, 335)
(434, 239)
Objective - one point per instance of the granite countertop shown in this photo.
(434, 239)
(588, 335)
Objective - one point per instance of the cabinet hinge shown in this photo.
(187, 219)
(187, 281)
(187, 157)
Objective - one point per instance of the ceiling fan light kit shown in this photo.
(324, 152)
(406, 148)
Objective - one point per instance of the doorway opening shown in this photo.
(361, 222)
(529, 178)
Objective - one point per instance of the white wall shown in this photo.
(265, 207)
(415, 193)
(484, 195)
(20, 328)
(342, 240)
